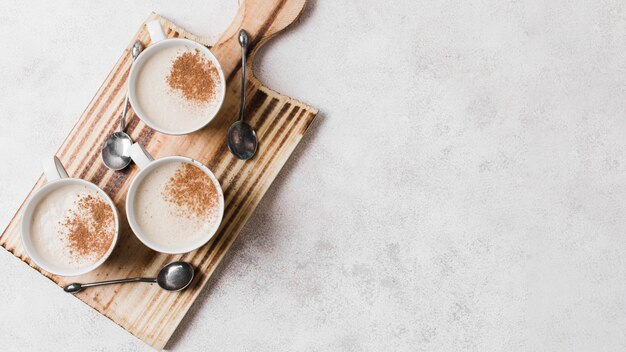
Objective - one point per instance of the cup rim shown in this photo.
(139, 62)
(131, 195)
(28, 214)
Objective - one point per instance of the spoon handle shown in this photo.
(244, 47)
(119, 281)
(123, 122)
(135, 51)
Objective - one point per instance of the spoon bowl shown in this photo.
(73, 288)
(175, 276)
(242, 140)
(115, 151)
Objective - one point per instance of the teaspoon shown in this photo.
(116, 149)
(242, 140)
(174, 276)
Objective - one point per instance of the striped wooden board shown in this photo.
(144, 310)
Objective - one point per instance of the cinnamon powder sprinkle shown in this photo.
(192, 191)
(90, 228)
(195, 76)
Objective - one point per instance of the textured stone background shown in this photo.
(462, 189)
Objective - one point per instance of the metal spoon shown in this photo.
(115, 151)
(242, 140)
(174, 276)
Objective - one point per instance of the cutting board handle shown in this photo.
(262, 19)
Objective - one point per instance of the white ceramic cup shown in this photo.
(58, 177)
(159, 42)
(147, 164)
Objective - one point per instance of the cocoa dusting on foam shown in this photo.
(192, 191)
(195, 76)
(90, 227)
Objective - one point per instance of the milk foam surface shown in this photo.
(49, 236)
(165, 107)
(162, 221)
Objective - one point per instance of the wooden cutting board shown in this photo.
(144, 310)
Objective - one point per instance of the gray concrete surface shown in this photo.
(462, 189)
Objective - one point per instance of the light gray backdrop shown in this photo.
(462, 188)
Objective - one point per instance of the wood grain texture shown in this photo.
(144, 310)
